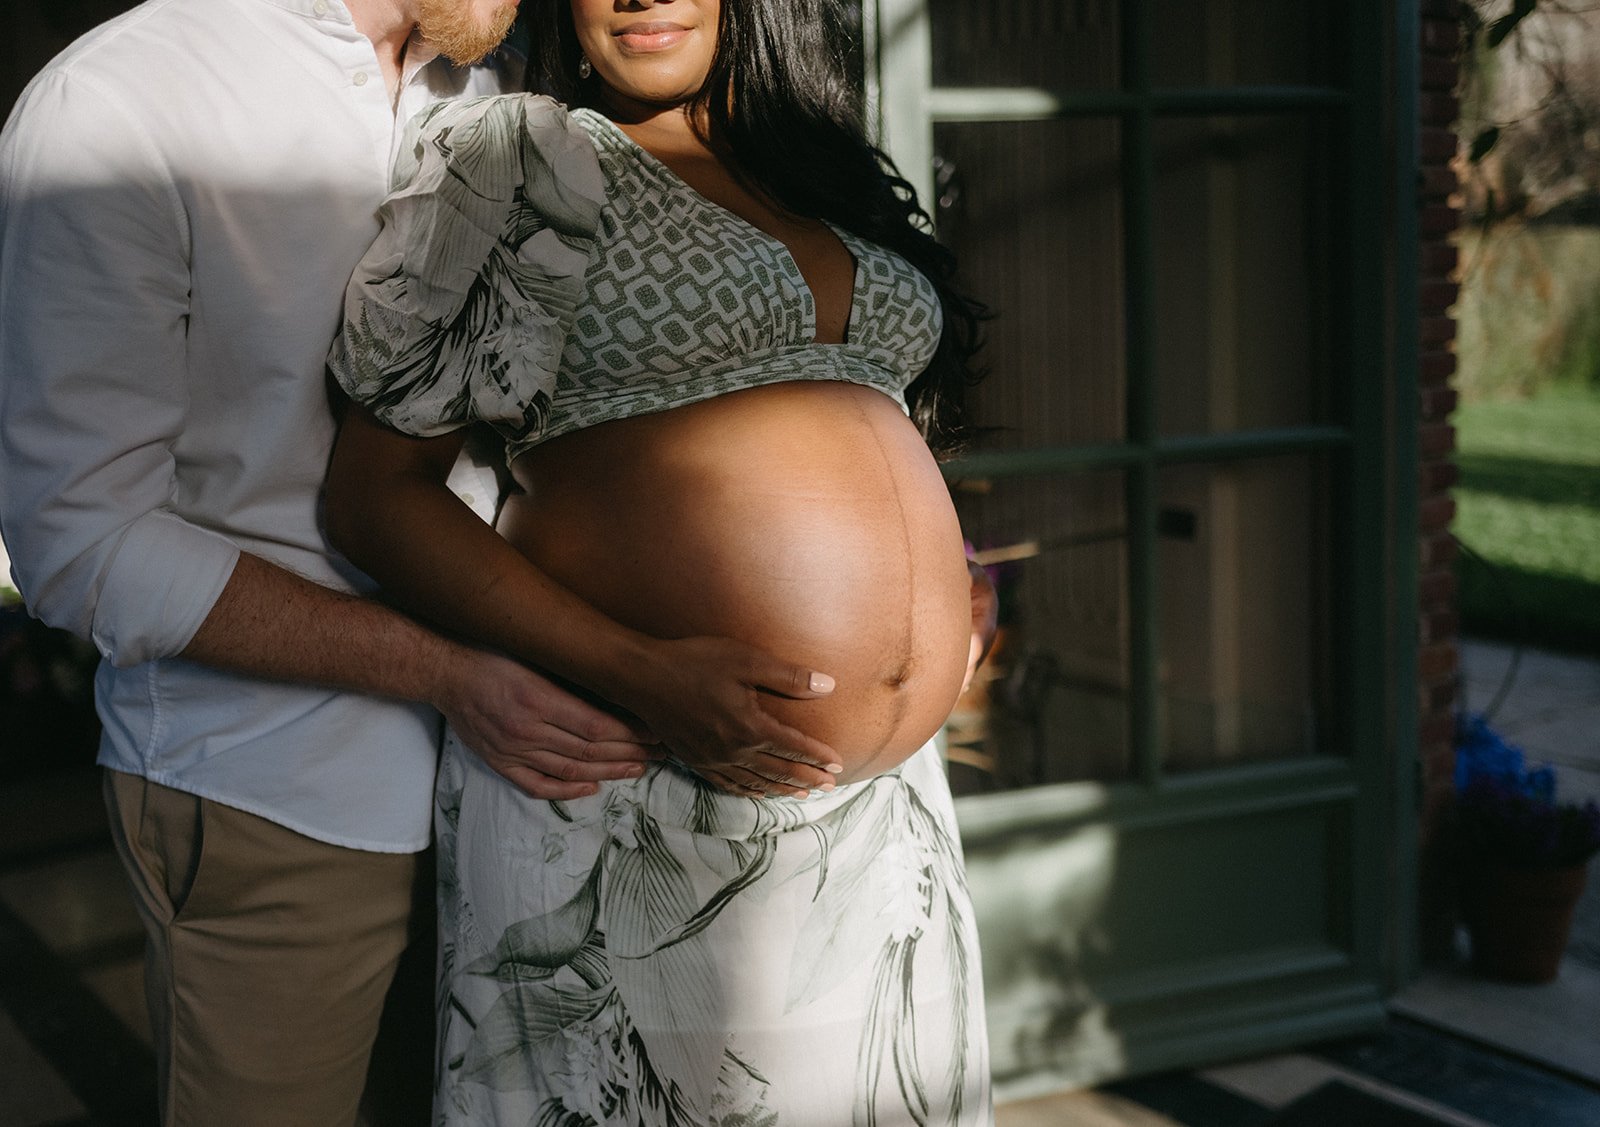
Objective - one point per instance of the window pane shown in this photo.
(1052, 703)
(1245, 43)
(1244, 299)
(1063, 44)
(1245, 576)
(1033, 211)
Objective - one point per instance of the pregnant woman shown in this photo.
(698, 311)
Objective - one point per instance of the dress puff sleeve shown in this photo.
(460, 310)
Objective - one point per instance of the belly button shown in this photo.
(897, 678)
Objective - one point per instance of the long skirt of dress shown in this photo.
(663, 955)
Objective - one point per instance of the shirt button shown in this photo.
(320, 7)
(360, 78)
(469, 499)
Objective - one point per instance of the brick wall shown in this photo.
(1437, 620)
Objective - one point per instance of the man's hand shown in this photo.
(702, 698)
(985, 619)
(540, 737)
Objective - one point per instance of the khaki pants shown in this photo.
(268, 958)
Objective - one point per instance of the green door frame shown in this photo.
(1365, 802)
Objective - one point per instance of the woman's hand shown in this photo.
(701, 697)
(985, 619)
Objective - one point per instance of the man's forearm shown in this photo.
(273, 624)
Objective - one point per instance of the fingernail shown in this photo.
(635, 772)
(835, 768)
(821, 683)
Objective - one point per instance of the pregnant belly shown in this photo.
(808, 519)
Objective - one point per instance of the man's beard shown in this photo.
(451, 29)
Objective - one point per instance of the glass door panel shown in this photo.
(1063, 44)
(1245, 43)
(1244, 575)
(1243, 297)
(1052, 703)
(1033, 210)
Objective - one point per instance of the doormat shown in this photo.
(1337, 1104)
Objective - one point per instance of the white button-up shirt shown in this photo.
(183, 195)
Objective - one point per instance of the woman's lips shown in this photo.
(651, 36)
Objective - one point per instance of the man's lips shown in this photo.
(653, 36)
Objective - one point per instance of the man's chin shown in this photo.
(459, 37)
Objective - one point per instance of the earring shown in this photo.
(585, 67)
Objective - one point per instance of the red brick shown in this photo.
(1435, 368)
(1438, 182)
(1437, 145)
(1441, 37)
(1439, 73)
(1438, 109)
(1436, 297)
(1439, 259)
(1441, 729)
(1438, 588)
(1439, 551)
(1436, 439)
(1439, 403)
(1436, 331)
(1438, 219)
(1436, 513)
(1441, 626)
(1437, 476)
(1437, 660)
(1441, 698)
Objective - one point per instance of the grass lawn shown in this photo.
(1529, 506)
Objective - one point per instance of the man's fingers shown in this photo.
(585, 721)
(574, 768)
(600, 751)
(536, 784)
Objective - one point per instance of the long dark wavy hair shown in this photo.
(779, 100)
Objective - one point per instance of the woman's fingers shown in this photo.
(807, 760)
(786, 679)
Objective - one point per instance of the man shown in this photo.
(183, 194)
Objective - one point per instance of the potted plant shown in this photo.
(1526, 857)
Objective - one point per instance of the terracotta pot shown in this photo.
(1519, 920)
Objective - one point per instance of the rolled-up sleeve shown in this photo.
(94, 297)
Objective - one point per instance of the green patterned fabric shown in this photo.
(540, 272)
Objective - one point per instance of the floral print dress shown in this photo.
(662, 954)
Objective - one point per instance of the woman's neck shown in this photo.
(659, 129)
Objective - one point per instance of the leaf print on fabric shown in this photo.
(843, 928)
(651, 1100)
(533, 949)
(760, 861)
(891, 1034)
(741, 1099)
(951, 879)
(525, 1026)
(673, 995)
